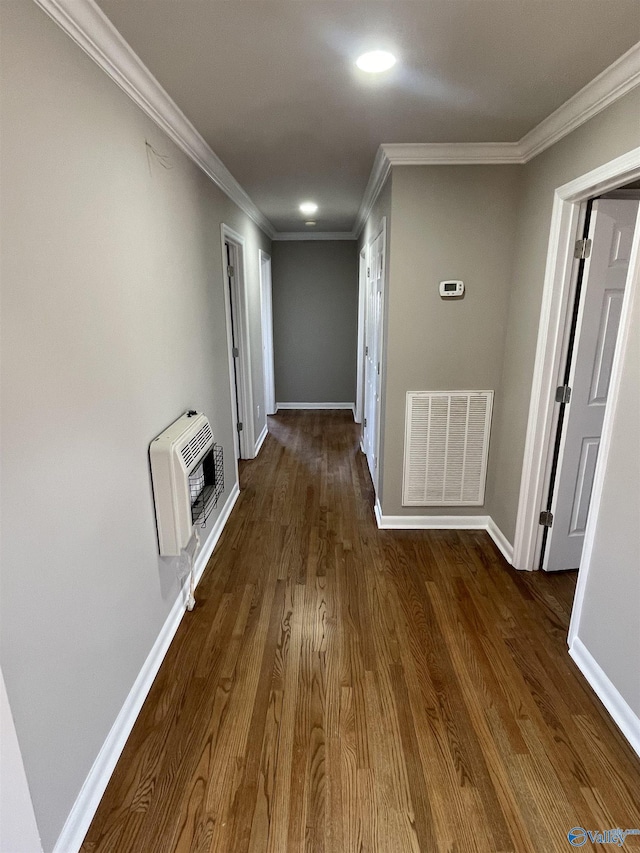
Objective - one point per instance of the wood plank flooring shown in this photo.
(340, 688)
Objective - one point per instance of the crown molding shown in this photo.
(611, 84)
(89, 27)
(379, 174)
(313, 235)
(451, 153)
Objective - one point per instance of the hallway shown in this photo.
(341, 688)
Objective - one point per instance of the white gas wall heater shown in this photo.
(187, 474)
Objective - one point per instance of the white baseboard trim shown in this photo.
(446, 522)
(86, 804)
(502, 543)
(260, 441)
(429, 522)
(351, 406)
(623, 716)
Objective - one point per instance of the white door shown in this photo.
(267, 334)
(611, 231)
(373, 354)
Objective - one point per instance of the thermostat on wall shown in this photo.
(451, 288)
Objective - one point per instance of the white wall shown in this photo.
(610, 618)
(18, 829)
(113, 323)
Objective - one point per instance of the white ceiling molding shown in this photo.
(612, 83)
(453, 153)
(89, 27)
(381, 167)
(314, 235)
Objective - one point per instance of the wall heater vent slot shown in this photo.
(200, 440)
(446, 447)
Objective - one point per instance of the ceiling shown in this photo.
(273, 89)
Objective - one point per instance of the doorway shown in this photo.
(373, 351)
(238, 343)
(568, 215)
(601, 274)
(266, 307)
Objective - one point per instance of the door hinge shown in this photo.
(239, 427)
(230, 271)
(563, 394)
(582, 248)
(366, 350)
(378, 368)
(368, 272)
(365, 423)
(546, 518)
(235, 352)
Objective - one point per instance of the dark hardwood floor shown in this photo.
(341, 688)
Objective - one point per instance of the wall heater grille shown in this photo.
(446, 447)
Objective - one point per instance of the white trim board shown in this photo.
(377, 178)
(446, 522)
(452, 153)
(553, 314)
(621, 713)
(86, 804)
(244, 369)
(300, 236)
(261, 440)
(613, 83)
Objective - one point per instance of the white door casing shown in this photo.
(362, 301)
(266, 305)
(373, 351)
(611, 231)
(547, 368)
(238, 338)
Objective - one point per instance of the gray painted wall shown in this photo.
(611, 133)
(610, 620)
(113, 323)
(315, 320)
(447, 222)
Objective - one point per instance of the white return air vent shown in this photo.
(446, 446)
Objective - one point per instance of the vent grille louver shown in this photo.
(193, 449)
(446, 447)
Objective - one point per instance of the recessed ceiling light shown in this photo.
(310, 222)
(376, 61)
(308, 207)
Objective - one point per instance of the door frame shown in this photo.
(362, 294)
(548, 361)
(266, 313)
(380, 348)
(245, 392)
